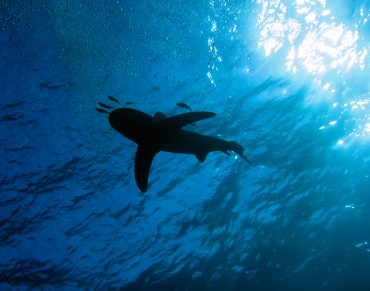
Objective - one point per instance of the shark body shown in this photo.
(159, 133)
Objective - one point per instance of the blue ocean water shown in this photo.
(289, 81)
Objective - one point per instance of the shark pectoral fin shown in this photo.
(143, 162)
(179, 121)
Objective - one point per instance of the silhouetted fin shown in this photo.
(113, 99)
(143, 162)
(183, 105)
(159, 116)
(201, 156)
(247, 160)
(239, 150)
(105, 105)
(129, 102)
(101, 110)
(179, 121)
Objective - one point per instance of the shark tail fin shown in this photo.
(237, 148)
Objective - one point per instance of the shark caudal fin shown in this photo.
(224, 147)
(143, 162)
(237, 148)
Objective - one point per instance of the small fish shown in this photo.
(129, 103)
(47, 85)
(105, 106)
(113, 99)
(183, 105)
(101, 110)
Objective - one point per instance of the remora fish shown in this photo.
(101, 110)
(183, 105)
(113, 99)
(105, 105)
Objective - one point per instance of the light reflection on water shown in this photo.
(316, 42)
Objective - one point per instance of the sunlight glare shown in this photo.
(317, 43)
(316, 40)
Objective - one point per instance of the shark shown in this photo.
(157, 133)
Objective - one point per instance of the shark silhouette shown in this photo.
(159, 133)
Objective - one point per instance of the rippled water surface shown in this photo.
(289, 80)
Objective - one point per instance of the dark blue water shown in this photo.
(289, 81)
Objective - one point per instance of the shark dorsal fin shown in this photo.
(180, 120)
(159, 116)
(143, 161)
